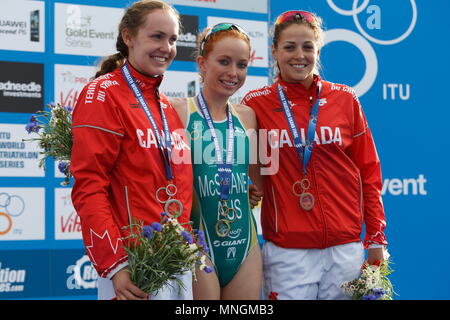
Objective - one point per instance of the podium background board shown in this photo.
(395, 55)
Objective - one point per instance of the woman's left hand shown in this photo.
(254, 196)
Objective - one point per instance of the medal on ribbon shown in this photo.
(306, 199)
(164, 195)
(300, 187)
(223, 224)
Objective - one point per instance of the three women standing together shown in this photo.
(328, 183)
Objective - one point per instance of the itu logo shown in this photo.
(363, 39)
(10, 206)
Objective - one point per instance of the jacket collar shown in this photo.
(298, 89)
(144, 81)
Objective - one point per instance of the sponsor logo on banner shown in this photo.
(22, 25)
(67, 222)
(405, 186)
(82, 275)
(72, 273)
(373, 28)
(21, 87)
(24, 273)
(11, 280)
(22, 214)
(18, 158)
(180, 84)
(70, 80)
(258, 32)
(259, 6)
(86, 30)
(187, 41)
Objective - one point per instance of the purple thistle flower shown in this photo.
(32, 125)
(369, 297)
(208, 269)
(68, 108)
(156, 226)
(202, 243)
(187, 236)
(201, 236)
(147, 232)
(378, 291)
(63, 166)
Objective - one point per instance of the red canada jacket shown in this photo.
(118, 166)
(344, 169)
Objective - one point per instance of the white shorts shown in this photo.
(169, 292)
(310, 274)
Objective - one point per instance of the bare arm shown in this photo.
(180, 105)
(248, 118)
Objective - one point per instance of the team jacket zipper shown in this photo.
(313, 173)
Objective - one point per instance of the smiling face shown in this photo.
(224, 69)
(296, 54)
(153, 48)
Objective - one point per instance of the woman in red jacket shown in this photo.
(329, 179)
(129, 147)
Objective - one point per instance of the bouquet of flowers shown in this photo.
(372, 284)
(55, 136)
(161, 251)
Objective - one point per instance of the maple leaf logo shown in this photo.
(100, 244)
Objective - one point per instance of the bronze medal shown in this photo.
(173, 208)
(306, 201)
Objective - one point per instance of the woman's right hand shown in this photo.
(125, 289)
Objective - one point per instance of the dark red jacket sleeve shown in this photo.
(97, 133)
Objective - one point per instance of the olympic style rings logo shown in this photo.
(361, 42)
(10, 206)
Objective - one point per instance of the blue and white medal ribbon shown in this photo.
(304, 152)
(224, 168)
(165, 147)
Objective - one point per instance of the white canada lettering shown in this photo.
(324, 135)
(149, 140)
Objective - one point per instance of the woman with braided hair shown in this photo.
(129, 148)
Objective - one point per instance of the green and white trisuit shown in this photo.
(229, 252)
